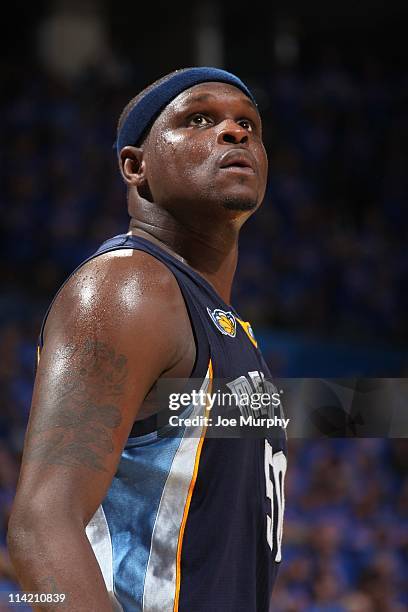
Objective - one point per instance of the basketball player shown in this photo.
(109, 512)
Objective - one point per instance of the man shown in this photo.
(108, 511)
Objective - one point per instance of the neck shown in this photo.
(210, 246)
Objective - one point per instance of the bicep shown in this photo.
(93, 375)
(81, 412)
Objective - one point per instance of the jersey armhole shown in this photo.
(203, 354)
(149, 425)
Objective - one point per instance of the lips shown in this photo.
(239, 160)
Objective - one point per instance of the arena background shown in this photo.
(322, 266)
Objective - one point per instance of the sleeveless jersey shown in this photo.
(193, 522)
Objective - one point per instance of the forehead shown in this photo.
(222, 93)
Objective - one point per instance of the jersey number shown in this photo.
(275, 469)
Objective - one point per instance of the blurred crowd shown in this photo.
(346, 537)
(326, 254)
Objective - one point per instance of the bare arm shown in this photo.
(109, 338)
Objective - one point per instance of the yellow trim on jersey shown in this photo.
(38, 354)
(246, 326)
(188, 500)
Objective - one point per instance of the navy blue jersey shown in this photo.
(193, 522)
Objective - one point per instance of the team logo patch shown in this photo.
(223, 321)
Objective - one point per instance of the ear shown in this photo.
(132, 166)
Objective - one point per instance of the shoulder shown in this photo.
(122, 294)
(114, 273)
(124, 277)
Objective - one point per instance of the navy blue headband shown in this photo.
(153, 101)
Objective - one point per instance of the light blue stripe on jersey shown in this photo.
(134, 534)
(131, 508)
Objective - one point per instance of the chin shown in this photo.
(239, 203)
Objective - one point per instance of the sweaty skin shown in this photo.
(120, 324)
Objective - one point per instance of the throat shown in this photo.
(215, 260)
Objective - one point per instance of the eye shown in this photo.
(246, 124)
(199, 119)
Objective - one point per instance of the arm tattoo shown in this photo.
(77, 430)
(47, 585)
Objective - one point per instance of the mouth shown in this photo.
(237, 162)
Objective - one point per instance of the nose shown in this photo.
(232, 133)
